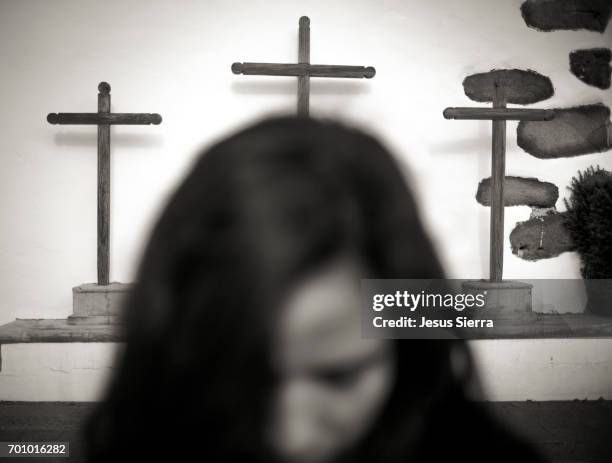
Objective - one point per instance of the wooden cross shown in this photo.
(104, 119)
(303, 70)
(499, 114)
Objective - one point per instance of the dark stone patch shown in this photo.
(573, 131)
(521, 86)
(552, 15)
(541, 238)
(592, 66)
(520, 191)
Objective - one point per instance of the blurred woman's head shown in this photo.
(243, 329)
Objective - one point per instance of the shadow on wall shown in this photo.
(127, 140)
(289, 87)
(479, 149)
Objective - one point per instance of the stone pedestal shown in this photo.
(95, 304)
(504, 299)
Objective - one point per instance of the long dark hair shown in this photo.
(258, 210)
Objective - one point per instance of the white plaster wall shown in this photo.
(55, 371)
(544, 369)
(174, 57)
(509, 370)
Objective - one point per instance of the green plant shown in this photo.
(589, 221)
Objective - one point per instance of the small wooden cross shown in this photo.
(104, 119)
(499, 114)
(303, 70)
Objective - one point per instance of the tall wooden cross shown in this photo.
(499, 114)
(303, 70)
(104, 119)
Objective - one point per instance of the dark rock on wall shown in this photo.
(521, 86)
(551, 15)
(520, 191)
(573, 131)
(592, 66)
(541, 238)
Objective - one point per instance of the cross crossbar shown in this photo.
(499, 114)
(295, 70)
(104, 118)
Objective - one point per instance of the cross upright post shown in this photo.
(498, 174)
(303, 70)
(303, 104)
(104, 119)
(104, 178)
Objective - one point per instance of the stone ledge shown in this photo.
(56, 330)
(535, 325)
(530, 325)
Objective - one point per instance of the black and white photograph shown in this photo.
(316, 231)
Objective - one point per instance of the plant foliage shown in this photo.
(589, 221)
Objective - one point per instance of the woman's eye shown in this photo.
(338, 377)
